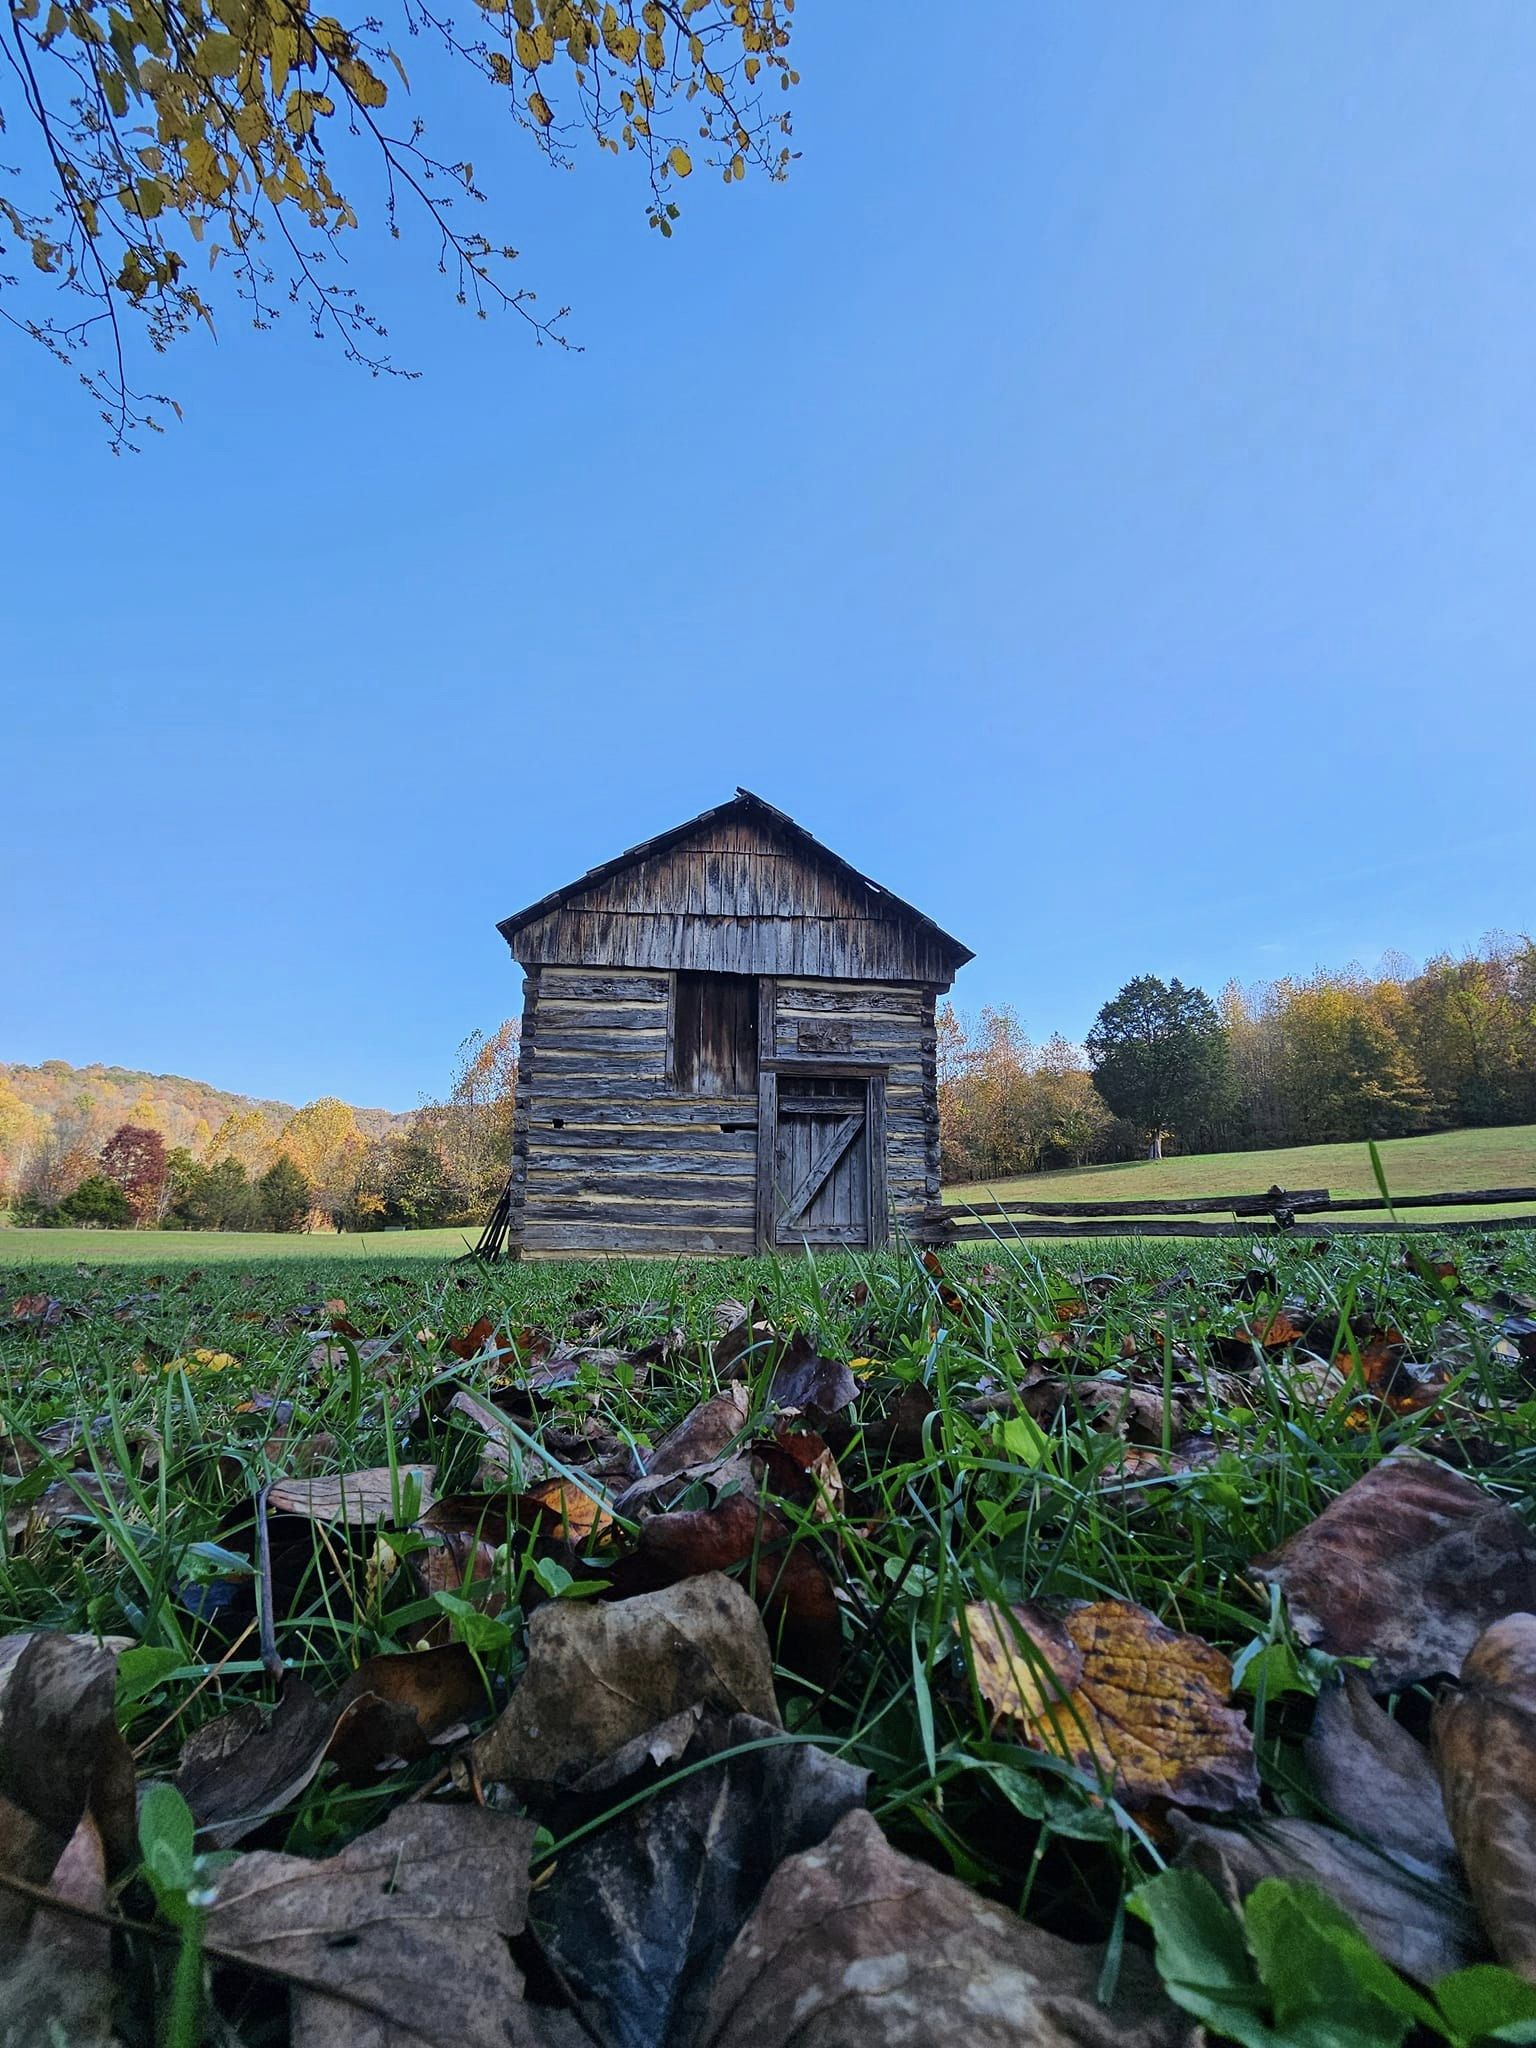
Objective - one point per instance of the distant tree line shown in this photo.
(315, 1170)
(1337, 1056)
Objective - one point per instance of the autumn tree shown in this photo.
(471, 1131)
(246, 1135)
(1159, 1056)
(154, 139)
(1347, 1073)
(21, 1127)
(324, 1143)
(135, 1158)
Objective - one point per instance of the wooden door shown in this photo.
(825, 1178)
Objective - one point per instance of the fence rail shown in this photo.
(1277, 1209)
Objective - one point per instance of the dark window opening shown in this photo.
(714, 1034)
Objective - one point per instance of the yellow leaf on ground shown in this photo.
(1108, 1687)
(580, 1519)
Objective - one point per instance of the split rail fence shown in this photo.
(1278, 1209)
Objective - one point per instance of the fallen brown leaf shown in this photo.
(601, 1674)
(238, 1769)
(856, 1946)
(411, 1921)
(1485, 1747)
(61, 1760)
(56, 1982)
(1406, 1567)
(356, 1498)
(1374, 1779)
(1107, 1686)
(793, 1591)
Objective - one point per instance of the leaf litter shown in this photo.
(604, 1696)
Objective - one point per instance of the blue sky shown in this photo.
(1097, 494)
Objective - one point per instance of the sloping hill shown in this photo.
(99, 1098)
(1445, 1162)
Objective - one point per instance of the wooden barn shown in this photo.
(728, 1046)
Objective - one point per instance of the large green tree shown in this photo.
(1159, 1057)
(148, 141)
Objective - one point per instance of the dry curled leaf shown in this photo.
(1407, 1568)
(638, 1918)
(854, 1945)
(1485, 1748)
(1107, 1686)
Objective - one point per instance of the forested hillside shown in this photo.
(114, 1146)
(97, 1099)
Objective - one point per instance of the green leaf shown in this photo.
(1487, 2003)
(1201, 1956)
(1328, 1986)
(140, 1671)
(167, 1838)
(1024, 1440)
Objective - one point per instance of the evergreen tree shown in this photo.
(284, 1195)
(1159, 1057)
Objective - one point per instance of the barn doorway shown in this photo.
(821, 1159)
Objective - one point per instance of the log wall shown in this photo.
(610, 1157)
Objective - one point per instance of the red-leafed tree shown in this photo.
(135, 1158)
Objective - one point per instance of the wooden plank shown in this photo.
(865, 1000)
(631, 1213)
(1171, 1227)
(576, 986)
(825, 1154)
(879, 1166)
(634, 1104)
(767, 1144)
(1193, 1205)
(603, 1047)
(619, 1238)
(1462, 1198)
(548, 1183)
(558, 1013)
(664, 1141)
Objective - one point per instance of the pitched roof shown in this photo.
(743, 804)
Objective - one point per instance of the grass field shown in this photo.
(1445, 1163)
(144, 1412)
(156, 1248)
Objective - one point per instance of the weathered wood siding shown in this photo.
(609, 1157)
(738, 897)
(876, 1025)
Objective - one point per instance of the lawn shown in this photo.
(1444, 1163)
(915, 1467)
(25, 1248)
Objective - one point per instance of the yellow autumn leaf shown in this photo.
(538, 106)
(680, 163)
(1106, 1686)
(578, 1517)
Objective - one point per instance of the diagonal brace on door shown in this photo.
(832, 1148)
